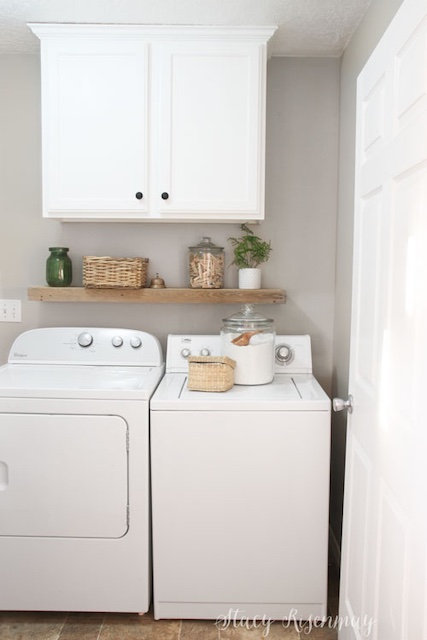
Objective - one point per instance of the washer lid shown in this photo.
(285, 393)
(73, 381)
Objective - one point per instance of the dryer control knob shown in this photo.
(185, 353)
(117, 341)
(205, 352)
(135, 342)
(85, 339)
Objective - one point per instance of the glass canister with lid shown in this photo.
(206, 265)
(248, 338)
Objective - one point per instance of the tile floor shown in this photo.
(113, 626)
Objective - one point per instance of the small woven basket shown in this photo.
(103, 272)
(210, 373)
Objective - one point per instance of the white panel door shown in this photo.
(210, 128)
(63, 475)
(94, 126)
(384, 554)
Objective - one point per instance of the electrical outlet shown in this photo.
(10, 311)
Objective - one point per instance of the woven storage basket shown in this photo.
(210, 373)
(103, 272)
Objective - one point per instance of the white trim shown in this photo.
(163, 32)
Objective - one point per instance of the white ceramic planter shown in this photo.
(250, 278)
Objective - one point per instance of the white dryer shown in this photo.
(74, 470)
(240, 490)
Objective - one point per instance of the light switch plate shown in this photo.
(10, 311)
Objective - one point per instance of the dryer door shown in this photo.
(63, 475)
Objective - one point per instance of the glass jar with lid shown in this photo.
(206, 265)
(248, 338)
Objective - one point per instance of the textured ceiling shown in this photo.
(306, 27)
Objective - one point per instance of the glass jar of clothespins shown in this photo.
(206, 265)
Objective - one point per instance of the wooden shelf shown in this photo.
(157, 296)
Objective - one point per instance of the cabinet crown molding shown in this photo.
(259, 34)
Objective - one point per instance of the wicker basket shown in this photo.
(210, 373)
(103, 272)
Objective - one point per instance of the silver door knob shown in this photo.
(338, 404)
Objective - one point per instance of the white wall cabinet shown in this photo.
(153, 123)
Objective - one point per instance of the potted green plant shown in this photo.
(249, 252)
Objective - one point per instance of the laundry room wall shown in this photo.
(301, 187)
(358, 51)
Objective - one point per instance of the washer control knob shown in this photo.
(85, 339)
(205, 352)
(135, 342)
(284, 354)
(185, 353)
(117, 341)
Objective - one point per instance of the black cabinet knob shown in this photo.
(138, 195)
(165, 195)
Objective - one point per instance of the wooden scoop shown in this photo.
(244, 338)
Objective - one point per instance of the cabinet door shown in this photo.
(94, 128)
(209, 130)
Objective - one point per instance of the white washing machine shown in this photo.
(240, 490)
(74, 470)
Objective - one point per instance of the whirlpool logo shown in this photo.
(16, 354)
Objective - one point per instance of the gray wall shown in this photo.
(365, 39)
(302, 148)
